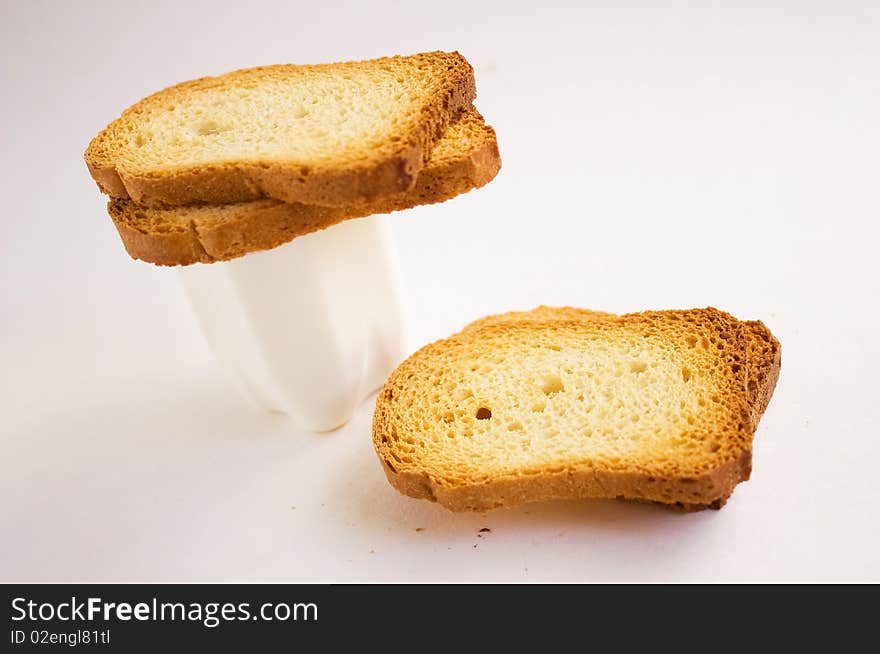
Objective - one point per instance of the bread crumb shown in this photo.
(420, 529)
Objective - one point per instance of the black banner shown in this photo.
(149, 618)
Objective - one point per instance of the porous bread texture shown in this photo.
(329, 134)
(763, 362)
(651, 406)
(465, 158)
(764, 356)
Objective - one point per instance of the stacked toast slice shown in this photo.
(212, 169)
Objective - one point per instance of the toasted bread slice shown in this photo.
(466, 158)
(329, 134)
(763, 360)
(652, 406)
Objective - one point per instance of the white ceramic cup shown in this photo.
(310, 328)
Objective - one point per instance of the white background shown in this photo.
(656, 155)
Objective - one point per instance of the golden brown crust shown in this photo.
(329, 185)
(204, 234)
(107, 178)
(709, 489)
(694, 494)
(765, 362)
(160, 247)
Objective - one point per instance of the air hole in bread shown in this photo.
(538, 407)
(638, 366)
(551, 384)
(686, 374)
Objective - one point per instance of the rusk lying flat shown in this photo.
(466, 158)
(655, 406)
(329, 134)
